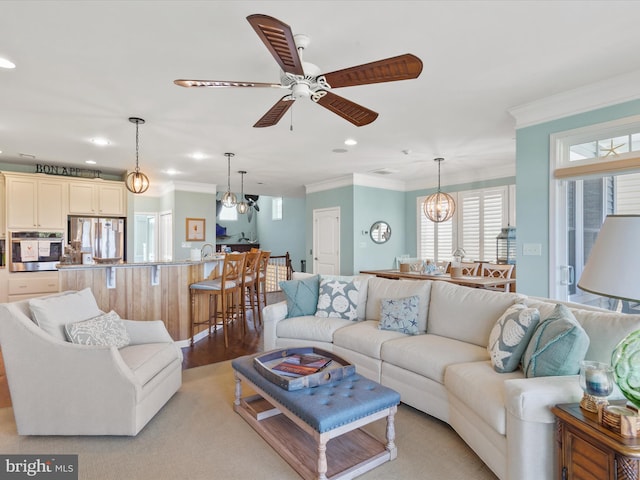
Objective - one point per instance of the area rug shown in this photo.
(197, 435)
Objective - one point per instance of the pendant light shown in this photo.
(137, 182)
(439, 207)
(229, 198)
(242, 206)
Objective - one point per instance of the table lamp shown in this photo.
(613, 270)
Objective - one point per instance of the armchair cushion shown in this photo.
(107, 330)
(51, 314)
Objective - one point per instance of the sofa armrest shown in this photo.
(271, 315)
(147, 332)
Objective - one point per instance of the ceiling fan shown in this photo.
(304, 79)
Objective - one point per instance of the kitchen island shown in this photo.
(144, 291)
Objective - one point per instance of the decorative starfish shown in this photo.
(611, 150)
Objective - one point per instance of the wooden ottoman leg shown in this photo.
(391, 433)
(322, 457)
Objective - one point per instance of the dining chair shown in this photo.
(224, 295)
(470, 269)
(498, 271)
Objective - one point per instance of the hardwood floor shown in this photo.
(211, 349)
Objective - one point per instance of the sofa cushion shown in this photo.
(464, 313)
(605, 328)
(478, 386)
(310, 327)
(384, 288)
(510, 336)
(106, 330)
(338, 298)
(430, 355)
(557, 346)
(51, 314)
(148, 359)
(363, 282)
(302, 295)
(400, 314)
(364, 337)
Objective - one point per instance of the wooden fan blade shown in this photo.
(222, 84)
(277, 36)
(354, 113)
(403, 67)
(275, 113)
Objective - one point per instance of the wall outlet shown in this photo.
(532, 249)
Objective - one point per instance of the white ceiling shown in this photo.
(83, 68)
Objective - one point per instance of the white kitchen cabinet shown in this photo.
(97, 198)
(3, 221)
(31, 284)
(34, 202)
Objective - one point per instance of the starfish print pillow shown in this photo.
(338, 298)
(400, 314)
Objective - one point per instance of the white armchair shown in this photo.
(62, 388)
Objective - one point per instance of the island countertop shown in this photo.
(75, 266)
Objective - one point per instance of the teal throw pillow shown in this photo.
(557, 346)
(338, 299)
(510, 336)
(400, 314)
(302, 296)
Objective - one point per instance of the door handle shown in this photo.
(568, 275)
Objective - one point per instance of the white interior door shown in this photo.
(326, 241)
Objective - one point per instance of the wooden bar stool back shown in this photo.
(250, 284)
(263, 264)
(224, 295)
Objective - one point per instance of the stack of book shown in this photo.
(299, 365)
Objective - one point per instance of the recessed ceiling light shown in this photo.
(90, 162)
(339, 150)
(171, 171)
(5, 63)
(101, 142)
(350, 142)
(198, 156)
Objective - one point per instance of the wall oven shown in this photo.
(35, 251)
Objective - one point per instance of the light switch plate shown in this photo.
(532, 249)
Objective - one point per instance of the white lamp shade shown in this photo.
(613, 266)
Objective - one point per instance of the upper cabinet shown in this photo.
(97, 198)
(3, 221)
(34, 202)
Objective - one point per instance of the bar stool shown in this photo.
(224, 292)
(250, 284)
(263, 263)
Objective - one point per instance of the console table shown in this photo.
(587, 450)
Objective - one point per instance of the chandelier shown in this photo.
(242, 206)
(137, 182)
(229, 198)
(439, 207)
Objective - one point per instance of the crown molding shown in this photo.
(353, 179)
(160, 189)
(462, 177)
(615, 90)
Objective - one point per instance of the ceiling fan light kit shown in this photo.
(229, 199)
(304, 79)
(439, 207)
(136, 181)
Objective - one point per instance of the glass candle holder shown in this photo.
(596, 379)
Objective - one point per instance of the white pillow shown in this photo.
(106, 330)
(51, 314)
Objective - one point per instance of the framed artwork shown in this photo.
(195, 229)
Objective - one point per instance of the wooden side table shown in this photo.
(589, 451)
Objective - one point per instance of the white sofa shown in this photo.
(447, 373)
(63, 388)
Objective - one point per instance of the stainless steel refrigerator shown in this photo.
(101, 238)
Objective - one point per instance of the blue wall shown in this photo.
(532, 189)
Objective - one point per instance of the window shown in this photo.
(229, 213)
(276, 208)
(480, 215)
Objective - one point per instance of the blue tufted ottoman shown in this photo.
(299, 424)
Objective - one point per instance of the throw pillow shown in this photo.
(557, 346)
(400, 314)
(52, 313)
(338, 298)
(104, 330)
(302, 296)
(510, 336)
